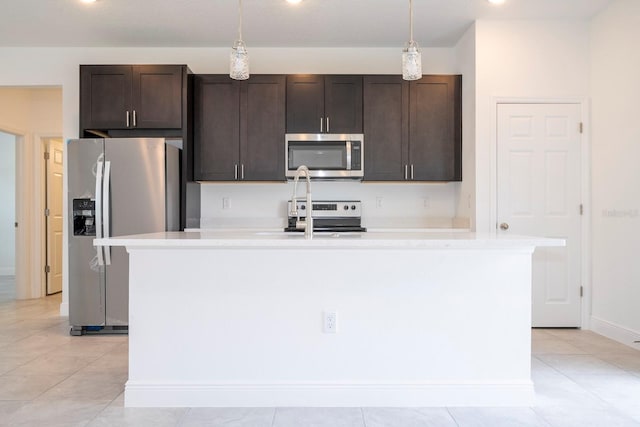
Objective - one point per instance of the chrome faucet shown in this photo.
(307, 224)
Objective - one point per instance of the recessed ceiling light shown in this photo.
(294, 1)
(496, 1)
(88, 1)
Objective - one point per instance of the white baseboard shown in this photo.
(138, 394)
(615, 332)
(7, 271)
(64, 309)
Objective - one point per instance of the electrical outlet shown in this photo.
(426, 202)
(330, 322)
(226, 203)
(378, 202)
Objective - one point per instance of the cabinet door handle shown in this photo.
(412, 172)
(321, 125)
(128, 122)
(235, 171)
(406, 172)
(328, 125)
(242, 171)
(135, 122)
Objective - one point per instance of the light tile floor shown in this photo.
(48, 378)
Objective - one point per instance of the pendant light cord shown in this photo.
(410, 21)
(239, 19)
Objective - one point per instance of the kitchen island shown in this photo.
(415, 319)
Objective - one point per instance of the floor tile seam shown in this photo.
(183, 417)
(592, 394)
(589, 392)
(575, 376)
(591, 355)
(46, 390)
(534, 353)
(109, 382)
(545, 419)
(68, 374)
(452, 416)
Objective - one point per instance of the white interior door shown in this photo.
(539, 194)
(54, 219)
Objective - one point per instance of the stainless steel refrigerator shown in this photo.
(117, 187)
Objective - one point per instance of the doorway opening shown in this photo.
(30, 115)
(53, 213)
(7, 216)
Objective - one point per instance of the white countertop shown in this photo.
(274, 239)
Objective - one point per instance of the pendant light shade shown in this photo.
(239, 57)
(411, 56)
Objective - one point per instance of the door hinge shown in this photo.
(15, 224)
(581, 127)
(47, 212)
(46, 155)
(581, 209)
(47, 269)
(581, 291)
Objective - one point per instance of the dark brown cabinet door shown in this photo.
(343, 104)
(386, 127)
(114, 97)
(262, 125)
(435, 125)
(216, 118)
(105, 97)
(324, 104)
(305, 104)
(157, 96)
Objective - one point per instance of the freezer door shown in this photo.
(86, 277)
(137, 201)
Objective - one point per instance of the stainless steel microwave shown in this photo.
(328, 156)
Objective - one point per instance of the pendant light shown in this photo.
(411, 56)
(239, 58)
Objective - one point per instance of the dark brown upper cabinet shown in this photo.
(413, 130)
(239, 128)
(324, 104)
(386, 127)
(115, 97)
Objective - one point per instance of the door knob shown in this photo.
(504, 226)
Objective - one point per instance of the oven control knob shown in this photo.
(303, 207)
(353, 207)
(346, 207)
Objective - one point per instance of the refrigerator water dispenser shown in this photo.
(84, 214)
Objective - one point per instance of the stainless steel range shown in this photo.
(330, 215)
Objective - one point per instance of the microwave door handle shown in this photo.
(98, 210)
(328, 125)
(320, 124)
(106, 190)
(348, 149)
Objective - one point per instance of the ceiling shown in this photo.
(266, 23)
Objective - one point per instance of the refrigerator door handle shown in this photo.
(106, 188)
(99, 210)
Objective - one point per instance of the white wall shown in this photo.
(466, 65)
(7, 201)
(615, 89)
(521, 59)
(59, 67)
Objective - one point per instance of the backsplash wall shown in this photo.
(393, 205)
